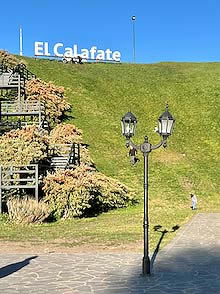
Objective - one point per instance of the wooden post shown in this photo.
(40, 114)
(0, 189)
(11, 175)
(78, 147)
(19, 89)
(36, 183)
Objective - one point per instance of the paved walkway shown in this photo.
(189, 264)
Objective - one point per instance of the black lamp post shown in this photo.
(165, 128)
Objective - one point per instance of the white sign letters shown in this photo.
(43, 49)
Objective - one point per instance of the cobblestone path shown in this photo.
(189, 264)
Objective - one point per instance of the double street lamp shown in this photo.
(164, 129)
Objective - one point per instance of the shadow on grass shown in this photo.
(67, 116)
(14, 267)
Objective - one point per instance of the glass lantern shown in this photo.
(128, 124)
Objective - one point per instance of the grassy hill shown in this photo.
(100, 95)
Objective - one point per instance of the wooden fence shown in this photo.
(18, 177)
(26, 107)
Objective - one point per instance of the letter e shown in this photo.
(116, 56)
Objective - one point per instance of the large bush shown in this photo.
(22, 147)
(83, 192)
(65, 134)
(52, 97)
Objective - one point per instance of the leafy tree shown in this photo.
(52, 96)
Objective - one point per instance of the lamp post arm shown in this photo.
(130, 143)
(162, 142)
(146, 147)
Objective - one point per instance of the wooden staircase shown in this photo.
(24, 111)
(63, 156)
(19, 112)
(59, 162)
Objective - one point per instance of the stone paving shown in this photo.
(188, 264)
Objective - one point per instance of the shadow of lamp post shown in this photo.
(164, 129)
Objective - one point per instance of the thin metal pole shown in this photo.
(146, 259)
(134, 45)
(21, 42)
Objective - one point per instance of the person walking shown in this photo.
(194, 201)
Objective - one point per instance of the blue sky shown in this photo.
(166, 30)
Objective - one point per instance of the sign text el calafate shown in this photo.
(43, 49)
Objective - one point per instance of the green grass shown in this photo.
(100, 95)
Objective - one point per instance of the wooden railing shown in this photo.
(64, 155)
(26, 176)
(23, 108)
(18, 177)
(59, 149)
(5, 79)
(3, 68)
(15, 78)
(24, 72)
(20, 69)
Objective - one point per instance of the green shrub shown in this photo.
(3, 218)
(26, 211)
(8, 59)
(83, 192)
(109, 193)
(51, 95)
(65, 134)
(25, 146)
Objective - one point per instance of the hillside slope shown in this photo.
(101, 94)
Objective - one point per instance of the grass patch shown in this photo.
(100, 95)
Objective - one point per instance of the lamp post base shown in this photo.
(146, 266)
